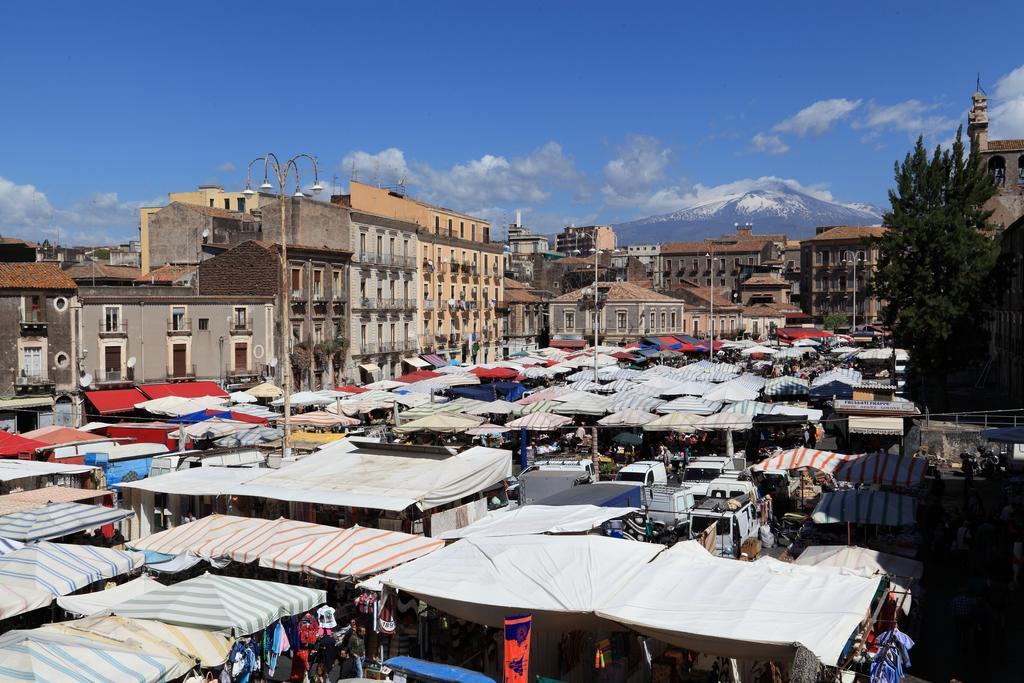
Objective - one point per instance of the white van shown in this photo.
(700, 472)
(731, 487)
(644, 473)
(583, 467)
(736, 519)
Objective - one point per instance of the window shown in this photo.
(240, 202)
(60, 303)
(362, 336)
(111, 319)
(462, 229)
(362, 243)
(318, 332)
(380, 244)
(296, 280)
(239, 316)
(391, 246)
(61, 359)
(437, 223)
(335, 284)
(393, 327)
(621, 320)
(380, 333)
(997, 167)
(663, 320)
(570, 320)
(227, 204)
(297, 332)
(32, 361)
(178, 322)
(211, 203)
(318, 283)
(204, 323)
(472, 231)
(672, 320)
(449, 227)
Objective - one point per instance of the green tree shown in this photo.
(834, 321)
(939, 262)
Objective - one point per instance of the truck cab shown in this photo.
(643, 473)
(583, 467)
(725, 487)
(671, 506)
(700, 472)
(735, 520)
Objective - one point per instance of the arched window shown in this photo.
(1020, 170)
(997, 167)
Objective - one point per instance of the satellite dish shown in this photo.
(273, 362)
(85, 380)
(206, 233)
(131, 362)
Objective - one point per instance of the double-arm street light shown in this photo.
(853, 258)
(274, 169)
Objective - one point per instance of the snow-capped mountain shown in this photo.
(776, 208)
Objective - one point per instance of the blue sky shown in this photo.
(573, 112)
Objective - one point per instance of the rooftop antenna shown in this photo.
(353, 174)
(376, 172)
(977, 85)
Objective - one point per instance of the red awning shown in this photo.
(568, 343)
(622, 355)
(13, 445)
(183, 389)
(495, 373)
(351, 389)
(417, 376)
(114, 401)
(791, 333)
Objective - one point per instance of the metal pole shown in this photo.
(711, 320)
(854, 328)
(596, 313)
(286, 337)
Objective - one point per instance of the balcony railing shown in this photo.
(113, 328)
(428, 304)
(389, 260)
(386, 304)
(188, 372)
(179, 326)
(111, 376)
(240, 326)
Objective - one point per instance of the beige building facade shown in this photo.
(836, 266)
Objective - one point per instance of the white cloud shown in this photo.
(23, 206)
(633, 174)
(226, 167)
(387, 166)
(768, 144)
(817, 118)
(1007, 111)
(911, 116)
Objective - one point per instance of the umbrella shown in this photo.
(321, 418)
(54, 520)
(628, 439)
(62, 568)
(242, 397)
(627, 418)
(441, 423)
(265, 390)
(735, 422)
(487, 429)
(674, 422)
(540, 422)
(498, 407)
(222, 603)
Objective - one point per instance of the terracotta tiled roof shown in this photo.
(1005, 145)
(746, 246)
(763, 280)
(34, 276)
(516, 295)
(91, 269)
(618, 291)
(16, 240)
(575, 261)
(847, 232)
(701, 294)
(165, 275)
(762, 311)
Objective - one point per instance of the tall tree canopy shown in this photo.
(938, 266)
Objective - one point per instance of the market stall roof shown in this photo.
(434, 359)
(417, 375)
(112, 401)
(690, 404)
(1004, 435)
(87, 604)
(441, 423)
(55, 435)
(539, 519)
(786, 386)
(222, 603)
(15, 444)
(799, 458)
(886, 426)
(197, 481)
(53, 520)
(17, 599)
(498, 407)
(48, 655)
(242, 397)
(794, 333)
(625, 400)
(748, 408)
(744, 610)
(63, 568)
(862, 559)
(495, 372)
(628, 418)
(12, 470)
(864, 506)
(209, 648)
(265, 390)
(674, 422)
(483, 580)
(540, 422)
(320, 418)
(882, 469)
(734, 422)
(359, 473)
(183, 389)
(32, 498)
(350, 553)
(488, 429)
(416, 362)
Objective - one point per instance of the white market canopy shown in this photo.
(674, 422)
(222, 603)
(540, 422)
(539, 519)
(88, 604)
(483, 580)
(53, 520)
(441, 423)
(63, 568)
(745, 610)
(629, 417)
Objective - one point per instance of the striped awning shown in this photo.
(786, 386)
(17, 599)
(886, 426)
(426, 409)
(62, 568)
(545, 406)
(865, 506)
(351, 553)
(674, 422)
(209, 648)
(630, 417)
(883, 469)
(222, 603)
(7, 545)
(540, 422)
(690, 404)
(32, 498)
(623, 401)
(322, 418)
(98, 602)
(799, 458)
(730, 422)
(54, 520)
(49, 655)
(748, 408)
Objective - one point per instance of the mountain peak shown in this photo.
(771, 206)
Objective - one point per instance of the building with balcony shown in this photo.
(766, 288)
(577, 240)
(724, 318)
(712, 262)
(525, 319)
(624, 312)
(1004, 160)
(40, 371)
(836, 267)
(459, 273)
(172, 334)
(522, 240)
(316, 296)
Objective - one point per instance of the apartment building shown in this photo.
(836, 267)
(160, 333)
(724, 318)
(525, 319)
(623, 313)
(583, 239)
(712, 263)
(460, 273)
(39, 369)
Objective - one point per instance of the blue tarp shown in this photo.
(129, 469)
(605, 494)
(834, 388)
(648, 352)
(199, 416)
(432, 671)
(508, 390)
(484, 392)
(1005, 435)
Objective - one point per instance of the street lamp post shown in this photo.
(854, 258)
(711, 320)
(272, 167)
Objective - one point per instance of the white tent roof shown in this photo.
(539, 519)
(197, 481)
(102, 601)
(12, 470)
(483, 580)
(746, 610)
(732, 391)
(352, 473)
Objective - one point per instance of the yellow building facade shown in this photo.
(205, 195)
(459, 274)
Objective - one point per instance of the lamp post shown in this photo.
(273, 168)
(854, 258)
(711, 320)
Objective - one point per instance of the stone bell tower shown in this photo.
(977, 121)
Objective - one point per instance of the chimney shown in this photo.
(519, 218)
(744, 230)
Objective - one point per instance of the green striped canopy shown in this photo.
(864, 506)
(428, 409)
(222, 603)
(544, 406)
(786, 386)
